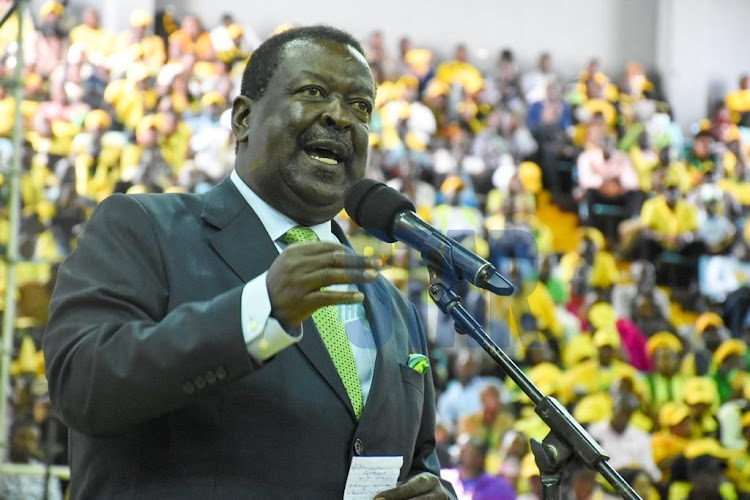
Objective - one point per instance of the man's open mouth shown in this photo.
(328, 152)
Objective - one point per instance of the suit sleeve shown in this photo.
(114, 356)
(425, 457)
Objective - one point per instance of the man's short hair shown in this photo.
(266, 58)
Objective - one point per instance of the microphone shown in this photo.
(389, 216)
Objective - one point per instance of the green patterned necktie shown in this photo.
(328, 321)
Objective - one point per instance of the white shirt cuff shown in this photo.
(264, 336)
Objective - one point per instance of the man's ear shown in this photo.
(241, 117)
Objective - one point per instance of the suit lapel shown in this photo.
(238, 242)
(238, 237)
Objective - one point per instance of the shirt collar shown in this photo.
(275, 222)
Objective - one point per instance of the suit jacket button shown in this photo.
(359, 448)
(221, 373)
(210, 377)
(200, 382)
(188, 388)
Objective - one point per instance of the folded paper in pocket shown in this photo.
(418, 362)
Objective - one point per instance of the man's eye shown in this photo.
(312, 91)
(363, 107)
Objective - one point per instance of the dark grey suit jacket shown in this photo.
(147, 365)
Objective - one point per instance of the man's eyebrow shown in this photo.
(318, 76)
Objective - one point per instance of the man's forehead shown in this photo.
(299, 52)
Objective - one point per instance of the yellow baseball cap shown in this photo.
(140, 18)
(731, 347)
(235, 30)
(594, 235)
(213, 98)
(671, 414)
(97, 118)
(593, 408)
(602, 315)
(607, 337)
(705, 446)
(530, 175)
(451, 184)
(700, 390)
(707, 319)
(51, 7)
(663, 340)
(579, 348)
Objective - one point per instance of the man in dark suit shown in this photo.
(184, 349)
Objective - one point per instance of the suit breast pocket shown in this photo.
(412, 378)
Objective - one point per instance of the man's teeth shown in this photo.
(328, 161)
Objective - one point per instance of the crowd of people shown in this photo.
(640, 327)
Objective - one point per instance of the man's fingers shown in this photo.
(328, 276)
(324, 298)
(422, 484)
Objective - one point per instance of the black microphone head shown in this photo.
(373, 205)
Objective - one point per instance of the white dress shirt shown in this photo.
(264, 336)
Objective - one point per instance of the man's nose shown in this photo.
(336, 114)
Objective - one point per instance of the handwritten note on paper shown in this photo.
(368, 476)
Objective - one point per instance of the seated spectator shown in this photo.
(136, 45)
(738, 102)
(624, 443)
(739, 463)
(641, 301)
(710, 332)
(191, 39)
(730, 414)
(491, 422)
(503, 86)
(462, 394)
(470, 480)
(730, 363)
(705, 478)
(453, 215)
(714, 227)
(645, 160)
(25, 448)
(536, 82)
(606, 176)
(665, 383)
(51, 39)
(669, 443)
(700, 157)
(702, 397)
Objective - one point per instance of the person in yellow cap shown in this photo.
(703, 476)
(96, 41)
(175, 141)
(710, 333)
(143, 163)
(137, 45)
(665, 383)
(591, 254)
(739, 461)
(669, 443)
(729, 361)
(456, 212)
(96, 156)
(702, 397)
(461, 72)
(52, 40)
(738, 102)
(132, 97)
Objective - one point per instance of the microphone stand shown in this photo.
(566, 439)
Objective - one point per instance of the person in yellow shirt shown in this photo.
(491, 422)
(739, 462)
(96, 41)
(191, 39)
(132, 97)
(460, 71)
(665, 383)
(738, 102)
(137, 45)
(668, 224)
(702, 397)
(669, 443)
(591, 252)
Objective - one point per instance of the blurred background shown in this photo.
(595, 151)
